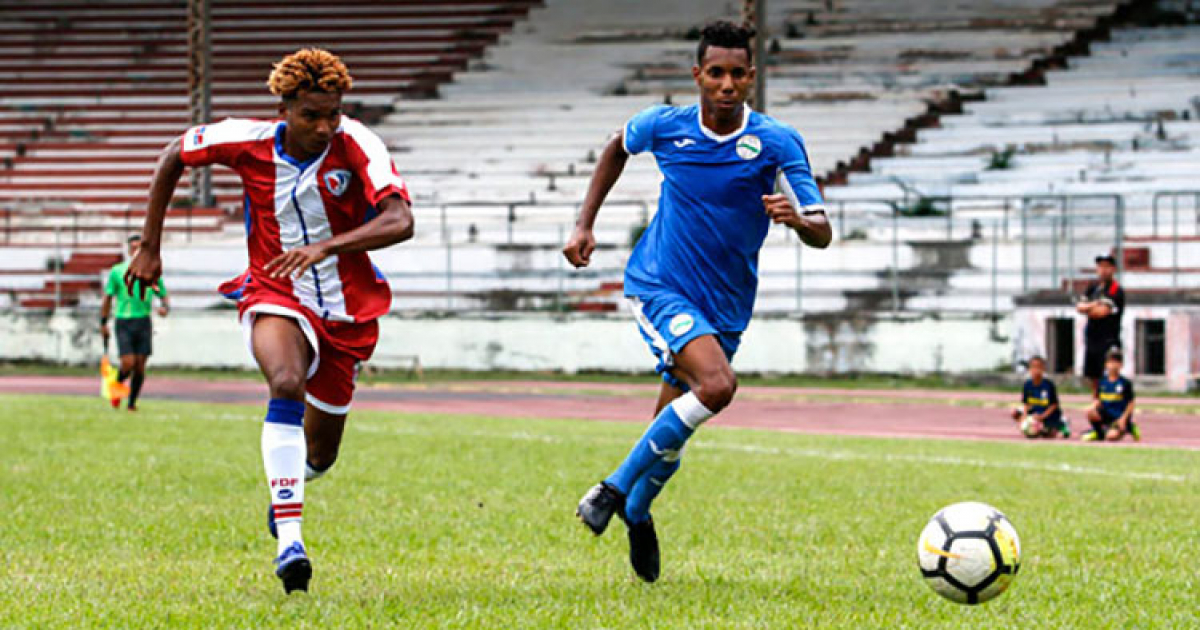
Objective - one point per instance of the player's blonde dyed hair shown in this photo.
(309, 69)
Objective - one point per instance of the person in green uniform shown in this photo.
(133, 327)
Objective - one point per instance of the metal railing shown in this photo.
(966, 255)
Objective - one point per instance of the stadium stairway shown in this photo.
(527, 122)
(1117, 123)
(513, 142)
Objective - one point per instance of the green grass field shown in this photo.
(156, 519)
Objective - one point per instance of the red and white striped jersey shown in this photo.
(289, 204)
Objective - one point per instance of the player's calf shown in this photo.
(321, 458)
(314, 471)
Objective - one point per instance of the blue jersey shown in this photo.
(1039, 397)
(704, 240)
(1115, 396)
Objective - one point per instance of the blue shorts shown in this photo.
(668, 323)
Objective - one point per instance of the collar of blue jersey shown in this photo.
(714, 135)
(301, 166)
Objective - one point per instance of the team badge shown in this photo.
(198, 135)
(337, 181)
(680, 324)
(748, 147)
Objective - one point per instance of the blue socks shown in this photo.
(655, 457)
(666, 435)
(637, 505)
(284, 411)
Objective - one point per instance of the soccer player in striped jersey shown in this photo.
(692, 278)
(320, 192)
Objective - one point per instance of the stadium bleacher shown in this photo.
(93, 90)
(499, 161)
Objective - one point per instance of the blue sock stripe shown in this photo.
(284, 411)
(666, 433)
(637, 506)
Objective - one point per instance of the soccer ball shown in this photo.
(1029, 428)
(969, 553)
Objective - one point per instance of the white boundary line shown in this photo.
(831, 455)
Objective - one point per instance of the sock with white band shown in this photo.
(284, 452)
(664, 439)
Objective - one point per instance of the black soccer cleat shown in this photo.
(597, 507)
(293, 568)
(643, 550)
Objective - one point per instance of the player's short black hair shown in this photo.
(1114, 354)
(134, 238)
(725, 34)
(1039, 358)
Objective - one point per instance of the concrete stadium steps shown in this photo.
(1120, 120)
(55, 115)
(852, 274)
(528, 123)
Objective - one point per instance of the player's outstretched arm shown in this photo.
(812, 227)
(393, 225)
(146, 266)
(579, 248)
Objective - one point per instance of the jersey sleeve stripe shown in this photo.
(382, 178)
(212, 143)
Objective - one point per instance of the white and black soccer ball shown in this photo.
(969, 553)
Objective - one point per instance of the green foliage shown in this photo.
(922, 207)
(1002, 160)
(857, 234)
(636, 232)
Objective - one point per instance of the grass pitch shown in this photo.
(156, 519)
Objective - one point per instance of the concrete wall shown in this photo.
(1182, 338)
(546, 342)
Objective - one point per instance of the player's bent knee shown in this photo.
(716, 390)
(287, 383)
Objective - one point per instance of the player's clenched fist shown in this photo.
(781, 210)
(578, 250)
(146, 268)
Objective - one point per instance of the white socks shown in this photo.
(284, 452)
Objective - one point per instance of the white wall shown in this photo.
(545, 342)
(1182, 343)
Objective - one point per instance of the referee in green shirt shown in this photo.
(134, 330)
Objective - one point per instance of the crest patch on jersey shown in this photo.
(337, 181)
(198, 136)
(680, 324)
(748, 147)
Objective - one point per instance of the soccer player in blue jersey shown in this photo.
(1040, 414)
(1111, 413)
(692, 277)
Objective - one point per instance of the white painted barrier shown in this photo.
(546, 343)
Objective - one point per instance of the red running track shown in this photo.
(878, 413)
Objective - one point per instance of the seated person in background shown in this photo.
(1111, 414)
(1040, 414)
